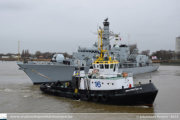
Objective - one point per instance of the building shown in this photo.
(177, 47)
(15, 56)
(4, 56)
(41, 57)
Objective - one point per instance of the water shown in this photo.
(19, 95)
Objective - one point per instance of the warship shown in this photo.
(62, 69)
(103, 85)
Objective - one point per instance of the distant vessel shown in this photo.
(62, 69)
(105, 85)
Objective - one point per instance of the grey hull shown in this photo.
(139, 70)
(49, 73)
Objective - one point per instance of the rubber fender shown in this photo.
(104, 97)
(95, 97)
(87, 96)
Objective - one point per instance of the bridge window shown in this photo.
(111, 66)
(101, 66)
(114, 67)
(106, 66)
(97, 66)
(94, 65)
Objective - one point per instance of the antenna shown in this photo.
(128, 39)
(99, 37)
(18, 50)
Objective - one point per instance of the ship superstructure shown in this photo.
(128, 62)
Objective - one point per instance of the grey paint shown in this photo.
(127, 62)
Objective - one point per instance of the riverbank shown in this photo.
(171, 63)
(167, 62)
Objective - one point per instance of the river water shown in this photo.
(19, 95)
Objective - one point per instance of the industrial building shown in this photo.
(177, 46)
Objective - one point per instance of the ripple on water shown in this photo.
(8, 90)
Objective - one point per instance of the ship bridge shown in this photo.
(106, 68)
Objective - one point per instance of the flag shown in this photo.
(120, 39)
(77, 73)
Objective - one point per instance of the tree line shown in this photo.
(162, 54)
(38, 54)
(25, 53)
(166, 55)
(49, 55)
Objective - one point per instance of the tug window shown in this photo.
(97, 66)
(101, 66)
(106, 66)
(114, 67)
(94, 66)
(111, 66)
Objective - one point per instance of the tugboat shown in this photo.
(103, 84)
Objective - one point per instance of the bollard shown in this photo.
(122, 87)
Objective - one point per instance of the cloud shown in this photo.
(10, 5)
(52, 25)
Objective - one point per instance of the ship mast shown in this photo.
(102, 50)
(18, 50)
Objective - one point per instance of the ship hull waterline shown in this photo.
(143, 95)
(51, 73)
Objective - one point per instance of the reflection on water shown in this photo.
(18, 94)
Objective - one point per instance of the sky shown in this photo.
(63, 25)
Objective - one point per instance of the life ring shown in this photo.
(104, 97)
(75, 97)
(95, 97)
(87, 96)
(95, 70)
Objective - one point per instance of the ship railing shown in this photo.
(130, 74)
(136, 85)
(139, 84)
(98, 76)
(38, 62)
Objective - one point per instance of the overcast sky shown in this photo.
(63, 25)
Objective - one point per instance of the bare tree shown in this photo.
(37, 54)
(66, 55)
(132, 47)
(22, 54)
(145, 52)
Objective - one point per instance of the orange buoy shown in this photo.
(95, 70)
(125, 74)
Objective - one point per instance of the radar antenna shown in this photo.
(106, 19)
